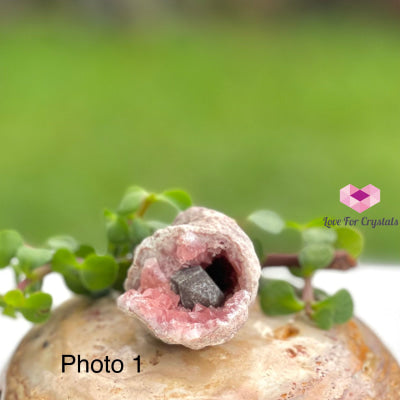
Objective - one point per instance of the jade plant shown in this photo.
(84, 270)
(91, 273)
(322, 248)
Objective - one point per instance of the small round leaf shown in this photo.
(267, 220)
(9, 311)
(319, 235)
(31, 258)
(84, 250)
(339, 306)
(37, 307)
(132, 200)
(138, 230)
(98, 272)
(65, 263)
(117, 229)
(323, 318)
(155, 225)
(278, 298)
(14, 298)
(62, 242)
(64, 259)
(349, 239)
(177, 198)
(10, 242)
(315, 256)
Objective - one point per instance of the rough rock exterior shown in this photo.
(197, 237)
(269, 359)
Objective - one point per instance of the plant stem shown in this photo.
(144, 206)
(282, 259)
(38, 275)
(308, 295)
(341, 261)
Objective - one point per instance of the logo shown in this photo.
(360, 199)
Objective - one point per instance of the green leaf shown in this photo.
(64, 259)
(333, 310)
(31, 258)
(98, 272)
(320, 294)
(349, 239)
(65, 263)
(34, 287)
(117, 228)
(176, 198)
(315, 256)
(84, 250)
(62, 242)
(73, 280)
(317, 222)
(10, 242)
(294, 225)
(278, 298)
(155, 225)
(258, 247)
(296, 271)
(138, 230)
(323, 318)
(9, 311)
(37, 307)
(267, 220)
(38, 301)
(132, 200)
(122, 273)
(319, 235)
(14, 298)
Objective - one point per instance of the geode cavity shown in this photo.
(206, 242)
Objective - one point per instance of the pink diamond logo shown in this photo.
(360, 199)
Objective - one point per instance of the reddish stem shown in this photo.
(341, 261)
(38, 274)
(308, 295)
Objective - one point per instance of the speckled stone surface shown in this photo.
(268, 359)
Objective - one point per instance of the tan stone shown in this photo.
(269, 359)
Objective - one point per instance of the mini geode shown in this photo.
(198, 237)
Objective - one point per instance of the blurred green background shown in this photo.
(278, 113)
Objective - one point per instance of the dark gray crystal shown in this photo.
(194, 285)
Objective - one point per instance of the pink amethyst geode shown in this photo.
(198, 236)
